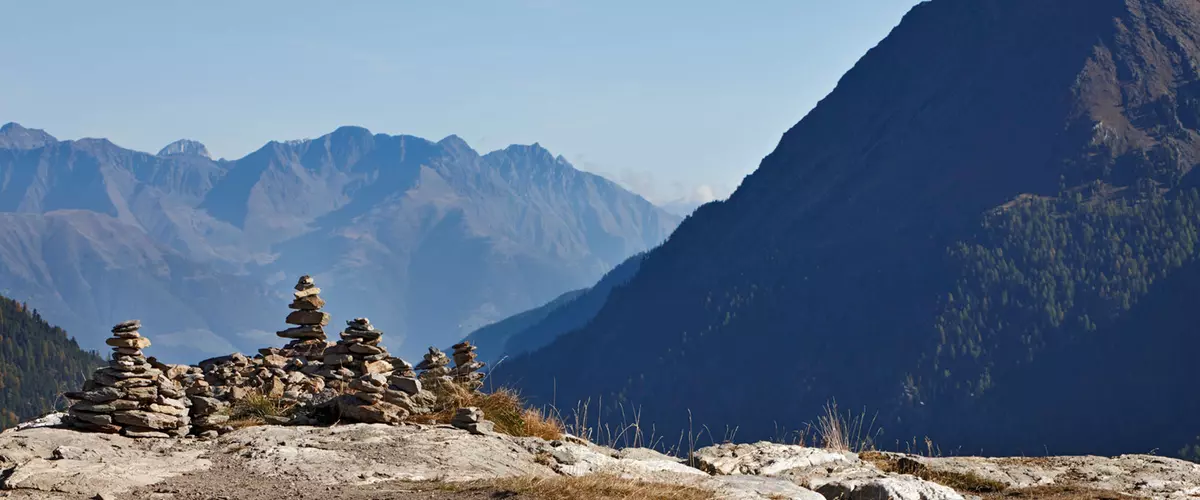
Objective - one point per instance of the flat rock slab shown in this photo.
(364, 453)
(42, 461)
(769, 459)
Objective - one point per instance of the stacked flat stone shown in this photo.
(210, 416)
(130, 396)
(358, 353)
(403, 377)
(466, 369)
(404, 389)
(434, 368)
(308, 333)
(471, 420)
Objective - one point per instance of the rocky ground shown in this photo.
(363, 461)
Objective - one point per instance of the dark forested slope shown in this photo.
(38, 362)
(988, 188)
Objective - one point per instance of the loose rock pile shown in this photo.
(308, 334)
(466, 368)
(130, 395)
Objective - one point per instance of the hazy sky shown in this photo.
(667, 97)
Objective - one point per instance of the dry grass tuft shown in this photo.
(503, 406)
(258, 409)
(961, 482)
(594, 486)
(846, 432)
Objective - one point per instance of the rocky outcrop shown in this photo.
(887, 488)
(1143, 475)
(894, 476)
(342, 461)
(838, 475)
(46, 461)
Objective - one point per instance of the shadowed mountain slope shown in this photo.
(536, 328)
(994, 180)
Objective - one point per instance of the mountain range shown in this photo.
(429, 239)
(986, 234)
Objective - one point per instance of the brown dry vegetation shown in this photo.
(965, 483)
(259, 409)
(1059, 493)
(595, 486)
(503, 406)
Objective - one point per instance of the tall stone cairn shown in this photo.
(466, 369)
(358, 353)
(130, 396)
(308, 333)
(434, 368)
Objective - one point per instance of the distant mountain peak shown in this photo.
(535, 150)
(13, 135)
(185, 147)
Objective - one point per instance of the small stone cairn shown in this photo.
(308, 334)
(434, 368)
(130, 396)
(466, 368)
(405, 391)
(471, 420)
(385, 389)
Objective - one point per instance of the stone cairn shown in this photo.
(308, 332)
(471, 420)
(434, 368)
(385, 389)
(357, 354)
(466, 368)
(130, 396)
(405, 391)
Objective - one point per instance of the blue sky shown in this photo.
(667, 97)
